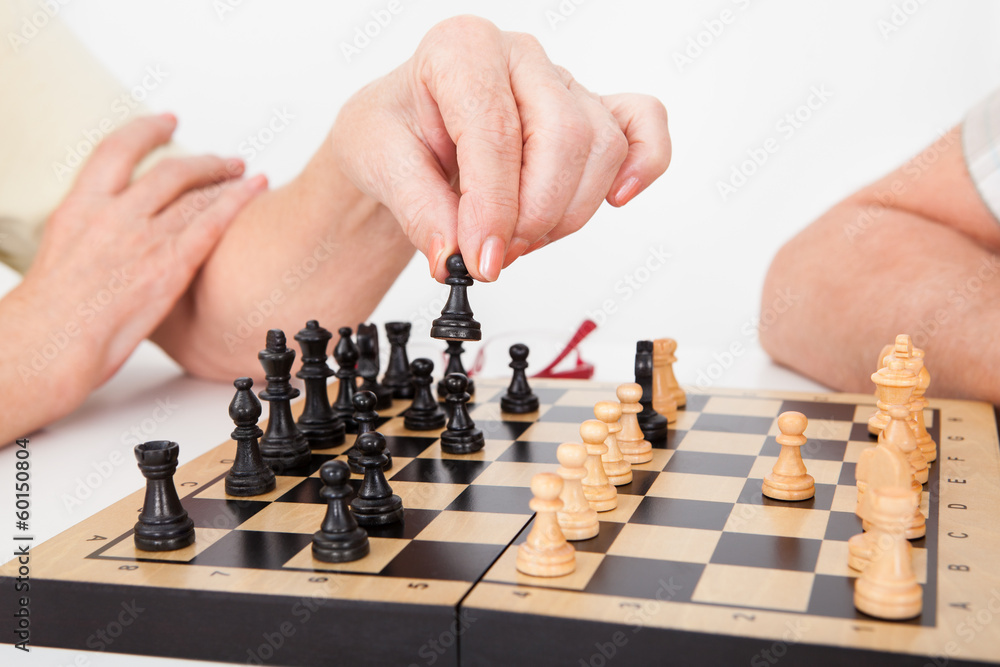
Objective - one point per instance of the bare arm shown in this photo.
(912, 253)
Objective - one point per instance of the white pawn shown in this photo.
(618, 470)
(635, 448)
(789, 480)
(577, 519)
(887, 587)
(596, 487)
(546, 553)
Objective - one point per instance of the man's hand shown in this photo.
(480, 144)
(116, 255)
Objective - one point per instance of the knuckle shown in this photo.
(172, 169)
(526, 41)
(612, 144)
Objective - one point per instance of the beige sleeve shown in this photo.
(58, 103)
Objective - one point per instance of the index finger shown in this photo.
(480, 115)
(109, 170)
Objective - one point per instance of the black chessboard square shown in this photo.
(441, 471)
(599, 544)
(733, 423)
(843, 412)
(708, 463)
(645, 578)
(253, 549)
(753, 495)
(413, 522)
(842, 526)
(816, 449)
(221, 514)
(673, 439)
(641, 481)
(502, 430)
(306, 491)
(499, 499)
(567, 414)
(859, 432)
(834, 596)
(407, 446)
(524, 451)
(315, 462)
(453, 561)
(695, 402)
(682, 513)
(847, 474)
(767, 551)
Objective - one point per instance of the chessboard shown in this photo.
(695, 566)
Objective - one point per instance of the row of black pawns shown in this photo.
(163, 523)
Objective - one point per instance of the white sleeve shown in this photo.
(981, 146)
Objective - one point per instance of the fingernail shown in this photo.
(169, 117)
(490, 258)
(628, 190)
(235, 166)
(258, 182)
(434, 251)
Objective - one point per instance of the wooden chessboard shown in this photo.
(695, 566)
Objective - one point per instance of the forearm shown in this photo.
(46, 369)
(316, 248)
(855, 280)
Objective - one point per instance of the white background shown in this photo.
(892, 92)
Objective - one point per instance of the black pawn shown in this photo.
(368, 365)
(375, 504)
(339, 539)
(454, 365)
(346, 354)
(397, 376)
(519, 398)
(283, 445)
(249, 475)
(164, 525)
(317, 422)
(366, 416)
(651, 422)
(456, 321)
(424, 414)
(461, 436)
